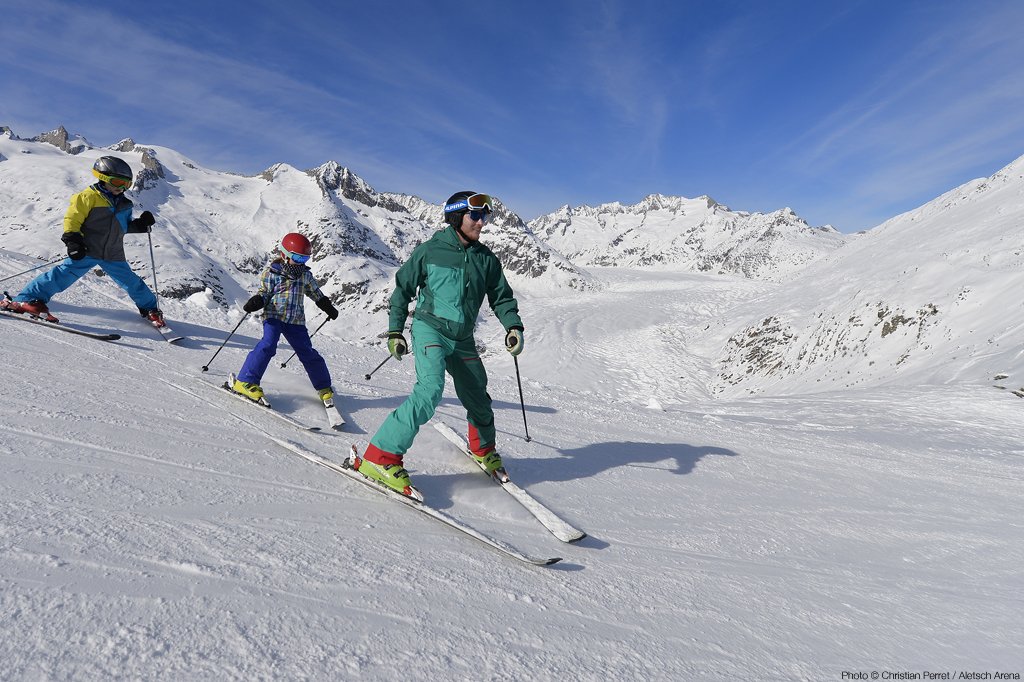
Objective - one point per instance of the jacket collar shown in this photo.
(112, 198)
(452, 237)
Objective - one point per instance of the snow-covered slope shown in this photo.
(699, 235)
(150, 529)
(932, 296)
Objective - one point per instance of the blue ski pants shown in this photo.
(298, 337)
(436, 354)
(47, 285)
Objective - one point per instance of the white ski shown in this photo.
(436, 514)
(168, 334)
(334, 418)
(266, 409)
(222, 389)
(263, 402)
(555, 524)
(60, 327)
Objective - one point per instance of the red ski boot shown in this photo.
(36, 309)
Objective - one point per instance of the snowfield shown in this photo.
(148, 532)
(814, 472)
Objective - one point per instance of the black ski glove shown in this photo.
(325, 305)
(397, 345)
(253, 304)
(76, 245)
(142, 223)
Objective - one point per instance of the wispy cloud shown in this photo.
(961, 82)
(576, 102)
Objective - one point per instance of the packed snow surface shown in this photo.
(150, 530)
(810, 472)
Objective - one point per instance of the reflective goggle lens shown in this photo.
(295, 257)
(481, 202)
(113, 181)
(480, 215)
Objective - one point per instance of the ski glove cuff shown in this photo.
(514, 341)
(253, 304)
(76, 245)
(325, 305)
(397, 345)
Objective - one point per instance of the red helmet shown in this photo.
(296, 247)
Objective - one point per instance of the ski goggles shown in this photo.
(115, 181)
(478, 203)
(294, 257)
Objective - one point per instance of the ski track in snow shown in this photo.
(145, 533)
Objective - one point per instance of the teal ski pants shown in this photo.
(434, 355)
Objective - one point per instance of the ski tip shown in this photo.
(548, 562)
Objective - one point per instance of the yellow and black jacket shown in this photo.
(102, 219)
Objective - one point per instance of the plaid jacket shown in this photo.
(284, 290)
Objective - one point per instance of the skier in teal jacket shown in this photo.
(448, 275)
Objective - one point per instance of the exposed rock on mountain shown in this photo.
(60, 139)
(932, 285)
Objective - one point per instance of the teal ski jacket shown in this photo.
(452, 281)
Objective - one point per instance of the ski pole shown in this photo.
(522, 403)
(285, 363)
(152, 265)
(207, 365)
(25, 272)
(377, 367)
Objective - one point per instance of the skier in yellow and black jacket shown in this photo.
(94, 228)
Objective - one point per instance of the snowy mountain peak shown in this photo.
(271, 173)
(699, 234)
(333, 177)
(674, 204)
(125, 145)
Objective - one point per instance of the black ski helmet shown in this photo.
(454, 218)
(111, 167)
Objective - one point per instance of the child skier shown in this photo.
(94, 228)
(283, 285)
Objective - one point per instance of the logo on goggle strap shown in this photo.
(461, 205)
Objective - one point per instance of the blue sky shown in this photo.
(849, 113)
